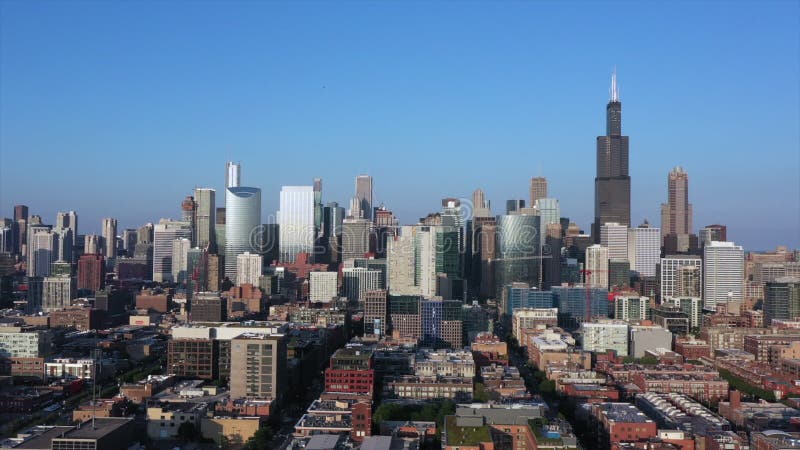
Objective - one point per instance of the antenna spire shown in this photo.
(614, 88)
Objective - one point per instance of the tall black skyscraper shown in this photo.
(612, 185)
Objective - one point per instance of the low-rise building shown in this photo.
(623, 422)
(428, 388)
(231, 429)
(165, 418)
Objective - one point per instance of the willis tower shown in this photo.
(612, 185)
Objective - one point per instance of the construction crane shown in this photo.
(588, 275)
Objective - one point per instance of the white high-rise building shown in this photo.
(205, 217)
(671, 272)
(242, 225)
(249, 267)
(180, 260)
(723, 274)
(296, 222)
(323, 286)
(42, 250)
(425, 261)
(92, 244)
(597, 266)
(233, 174)
(110, 237)
(615, 236)
(356, 281)
(355, 238)
(65, 243)
(164, 234)
(644, 249)
(400, 262)
(58, 292)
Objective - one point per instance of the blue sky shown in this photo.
(121, 109)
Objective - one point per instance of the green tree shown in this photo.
(547, 387)
(480, 394)
(261, 440)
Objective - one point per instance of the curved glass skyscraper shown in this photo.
(517, 249)
(242, 225)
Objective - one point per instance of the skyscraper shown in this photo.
(364, 195)
(517, 251)
(615, 236)
(93, 244)
(110, 237)
(400, 262)
(42, 250)
(188, 211)
(713, 233)
(644, 249)
(671, 273)
(233, 174)
(296, 221)
(676, 214)
(68, 220)
(549, 213)
(318, 205)
(242, 225)
(164, 234)
(205, 218)
(248, 268)
(723, 274)
(612, 185)
(597, 266)
(355, 238)
(538, 189)
(782, 299)
(180, 260)
(480, 206)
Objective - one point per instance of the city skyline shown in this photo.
(718, 156)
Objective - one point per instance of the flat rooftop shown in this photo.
(102, 426)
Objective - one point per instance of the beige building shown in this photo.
(236, 430)
(164, 419)
(259, 364)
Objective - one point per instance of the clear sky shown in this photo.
(120, 109)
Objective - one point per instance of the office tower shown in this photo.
(248, 268)
(332, 219)
(385, 228)
(484, 246)
(57, 292)
(723, 274)
(551, 256)
(670, 273)
(216, 271)
(219, 230)
(35, 220)
(323, 286)
(180, 264)
(42, 250)
(296, 221)
(436, 252)
(92, 245)
(480, 206)
(67, 220)
(164, 234)
(549, 213)
(20, 212)
(612, 186)
(688, 281)
(261, 361)
(354, 212)
(518, 256)
(538, 189)
(597, 266)
(188, 212)
(242, 225)
(144, 234)
(513, 206)
(375, 307)
(205, 218)
(441, 324)
(65, 244)
(619, 273)
(782, 299)
(713, 233)
(318, 205)
(129, 238)
(615, 237)
(356, 281)
(676, 214)
(355, 238)
(644, 249)
(109, 233)
(364, 195)
(269, 243)
(400, 263)
(233, 174)
(91, 272)
(7, 243)
(20, 230)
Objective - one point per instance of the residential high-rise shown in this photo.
(261, 362)
(400, 263)
(180, 260)
(619, 273)
(364, 195)
(723, 274)
(614, 236)
(110, 237)
(538, 189)
(782, 299)
(644, 249)
(296, 222)
(676, 214)
(551, 256)
(375, 307)
(91, 272)
(242, 225)
(670, 274)
(612, 185)
(164, 234)
(205, 218)
(323, 286)
(356, 281)
(597, 266)
(355, 238)
(57, 292)
(233, 174)
(42, 250)
(518, 255)
(248, 268)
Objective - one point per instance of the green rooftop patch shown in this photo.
(465, 435)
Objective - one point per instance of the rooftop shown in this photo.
(102, 426)
(623, 412)
(465, 435)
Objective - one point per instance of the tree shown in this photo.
(547, 387)
(480, 394)
(187, 432)
(261, 440)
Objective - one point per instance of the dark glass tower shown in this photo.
(612, 185)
